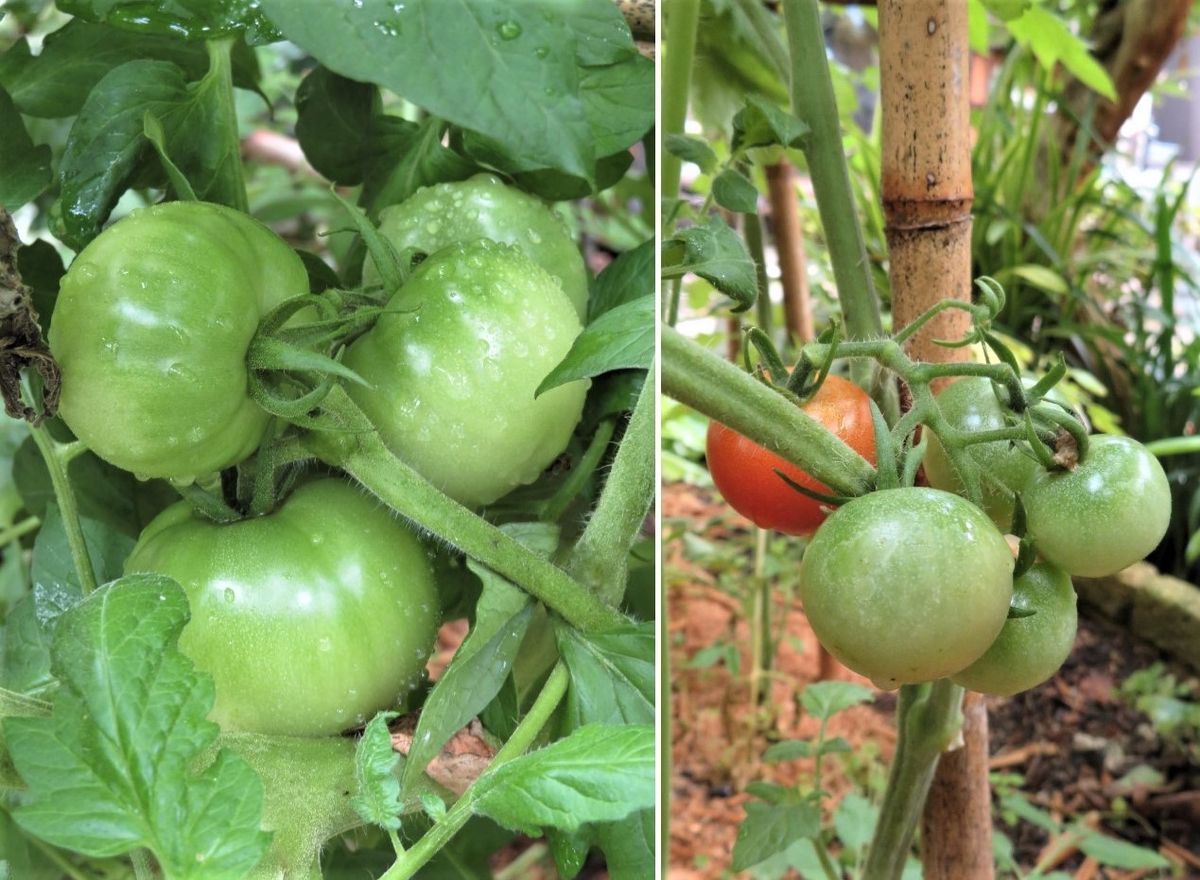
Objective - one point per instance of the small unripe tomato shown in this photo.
(486, 207)
(907, 585)
(1107, 513)
(1029, 649)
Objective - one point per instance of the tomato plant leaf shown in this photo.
(824, 699)
(41, 269)
(56, 584)
(734, 191)
(111, 769)
(24, 168)
(619, 102)
(189, 19)
(715, 252)
(443, 55)
(598, 773)
(620, 339)
(422, 161)
(762, 124)
(855, 820)
(612, 675)
(26, 668)
(483, 661)
(770, 829)
(377, 798)
(78, 55)
(694, 150)
(334, 121)
(628, 277)
(569, 849)
(601, 35)
(628, 846)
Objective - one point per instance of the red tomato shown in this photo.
(745, 472)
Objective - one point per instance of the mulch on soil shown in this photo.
(1073, 738)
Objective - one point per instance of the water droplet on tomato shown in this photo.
(230, 595)
(325, 644)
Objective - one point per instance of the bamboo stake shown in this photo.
(927, 196)
(789, 243)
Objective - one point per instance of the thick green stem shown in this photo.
(679, 47)
(354, 445)
(527, 731)
(752, 231)
(813, 101)
(141, 865)
(718, 389)
(599, 557)
(927, 717)
(64, 496)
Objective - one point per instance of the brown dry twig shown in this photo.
(21, 343)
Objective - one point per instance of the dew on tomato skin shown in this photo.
(230, 595)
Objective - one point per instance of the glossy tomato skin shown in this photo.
(744, 472)
(309, 619)
(151, 328)
(485, 207)
(970, 404)
(1107, 513)
(453, 367)
(1029, 649)
(907, 585)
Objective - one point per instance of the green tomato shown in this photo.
(309, 619)
(1107, 513)
(907, 585)
(1029, 649)
(151, 329)
(970, 404)
(453, 366)
(484, 207)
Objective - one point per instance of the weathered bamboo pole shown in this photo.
(789, 244)
(927, 196)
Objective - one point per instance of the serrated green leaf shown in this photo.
(612, 675)
(788, 750)
(769, 829)
(824, 699)
(598, 773)
(762, 124)
(377, 797)
(111, 770)
(1051, 41)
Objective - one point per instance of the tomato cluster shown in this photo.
(314, 616)
(915, 584)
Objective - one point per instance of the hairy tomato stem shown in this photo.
(352, 444)
(927, 717)
(599, 559)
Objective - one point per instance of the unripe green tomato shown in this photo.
(1107, 513)
(970, 404)
(453, 366)
(1029, 649)
(151, 328)
(485, 207)
(907, 585)
(310, 619)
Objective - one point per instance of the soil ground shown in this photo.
(1082, 751)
